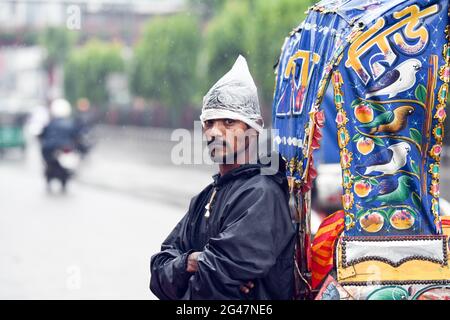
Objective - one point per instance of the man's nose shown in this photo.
(216, 129)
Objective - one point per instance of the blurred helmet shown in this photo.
(234, 96)
(60, 108)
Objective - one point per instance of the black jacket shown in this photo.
(249, 236)
(59, 133)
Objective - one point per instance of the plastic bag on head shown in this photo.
(234, 96)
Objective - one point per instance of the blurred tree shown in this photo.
(255, 29)
(87, 71)
(165, 63)
(270, 22)
(58, 42)
(225, 40)
(207, 9)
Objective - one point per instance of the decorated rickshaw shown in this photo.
(385, 64)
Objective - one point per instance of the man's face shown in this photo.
(227, 139)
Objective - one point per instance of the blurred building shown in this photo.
(22, 80)
(23, 83)
(120, 20)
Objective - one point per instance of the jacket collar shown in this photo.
(249, 170)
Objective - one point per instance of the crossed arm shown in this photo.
(227, 267)
(192, 266)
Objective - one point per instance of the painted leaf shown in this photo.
(355, 102)
(415, 167)
(416, 135)
(391, 211)
(374, 182)
(378, 107)
(384, 214)
(413, 212)
(421, 93)
(360, 213)
(378, 142)
(416, 200)
(356, 137)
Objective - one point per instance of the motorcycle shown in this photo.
(62, 166)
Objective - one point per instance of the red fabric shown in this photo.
(322, 250)
(445, 221)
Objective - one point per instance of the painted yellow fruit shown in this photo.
(362, 188)
(402, 220)
(365, 145)
(372, 222)
(363, 113)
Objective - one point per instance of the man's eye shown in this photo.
(229, 121)
(208, 123)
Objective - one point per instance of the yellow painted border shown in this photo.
(373, 271)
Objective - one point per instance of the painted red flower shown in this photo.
(319, 118)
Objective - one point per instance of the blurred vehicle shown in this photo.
(59, 144)
(61, 165)
(11, 131)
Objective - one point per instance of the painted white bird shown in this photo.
(400, 79)
(387, 161)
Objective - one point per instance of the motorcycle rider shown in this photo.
(60, 135)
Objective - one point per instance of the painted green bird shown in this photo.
(392, 191)
(390, 121)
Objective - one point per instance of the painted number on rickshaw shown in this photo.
(297, 72)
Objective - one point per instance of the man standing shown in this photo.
(237, 239)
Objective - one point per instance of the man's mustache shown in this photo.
(214, 142)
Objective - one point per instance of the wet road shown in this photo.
(96, 241)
